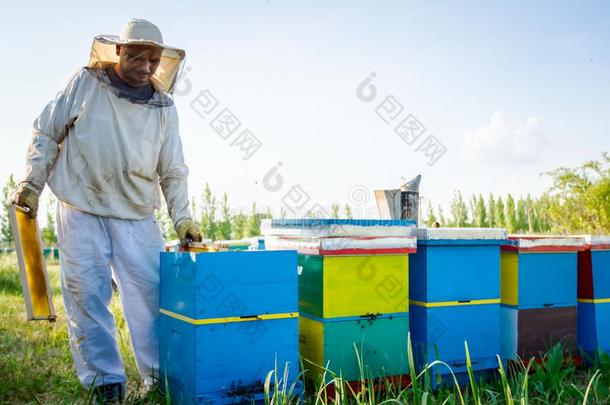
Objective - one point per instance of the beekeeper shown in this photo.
(104, 146)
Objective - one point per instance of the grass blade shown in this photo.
(595, 376)
(412, 371)
(473, 384)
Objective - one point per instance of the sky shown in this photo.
(498, 92)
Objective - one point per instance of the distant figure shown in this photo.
(436, 225)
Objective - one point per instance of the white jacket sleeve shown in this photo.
(173, 172)
(50, 129)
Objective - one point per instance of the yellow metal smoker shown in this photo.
(32, 267)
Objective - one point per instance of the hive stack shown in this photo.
(594, 297)
(353, 293)
(227, 319)
(455, 297)
(539, 275)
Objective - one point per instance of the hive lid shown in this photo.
(545, 243)
(337, 227)
(320, 222)
(344, 245)
(597, 241)
(425, 234)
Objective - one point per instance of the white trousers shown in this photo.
(92, 249)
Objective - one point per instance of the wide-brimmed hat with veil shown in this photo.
(140, 32)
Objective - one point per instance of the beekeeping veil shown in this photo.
(140, 32)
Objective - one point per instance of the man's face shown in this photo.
(138, 63)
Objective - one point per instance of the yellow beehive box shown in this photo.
(345, 286)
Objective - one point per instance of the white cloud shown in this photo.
(499, 141)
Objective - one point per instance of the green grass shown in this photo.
(36, 367)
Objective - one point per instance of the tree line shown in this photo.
(216, 218)
(218, 221)
(577, 202)
(522, 215)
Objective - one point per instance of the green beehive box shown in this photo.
(342, 345)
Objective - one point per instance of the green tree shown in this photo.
(491, 211)
(441, 217)
(431, 217)
(253, 225)
(165, 224)
(335, 211)
(542, 209)
(193, 207)
(238, 225)
(268, 214)
(472, 208)
(5, 225)
(224, 229)
(209, 226)
(459, 211)
(48, 232)
(579, 199)
(532, 215)
(480, 218)
(521, 221)
(500, 218)
(348, 211)
(511, 219)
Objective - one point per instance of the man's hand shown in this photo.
(26, 197)
(187, 231)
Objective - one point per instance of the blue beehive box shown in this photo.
(227, 319)
(540, 272)
(454, 288)
(594, 328)
(593, 335)
(538, 284)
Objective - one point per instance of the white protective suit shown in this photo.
(104, 157)
(104, 154)
(91, 246)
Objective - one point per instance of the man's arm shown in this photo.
(50, 129)
(173, 175)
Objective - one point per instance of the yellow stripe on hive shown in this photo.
(595, 301)
(453, 303)
(311, 344)
(509, 278)
(230, 319)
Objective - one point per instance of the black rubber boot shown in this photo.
(109, 394)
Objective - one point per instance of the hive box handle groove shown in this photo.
(249, 317)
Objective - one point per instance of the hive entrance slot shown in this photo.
(249, 317)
